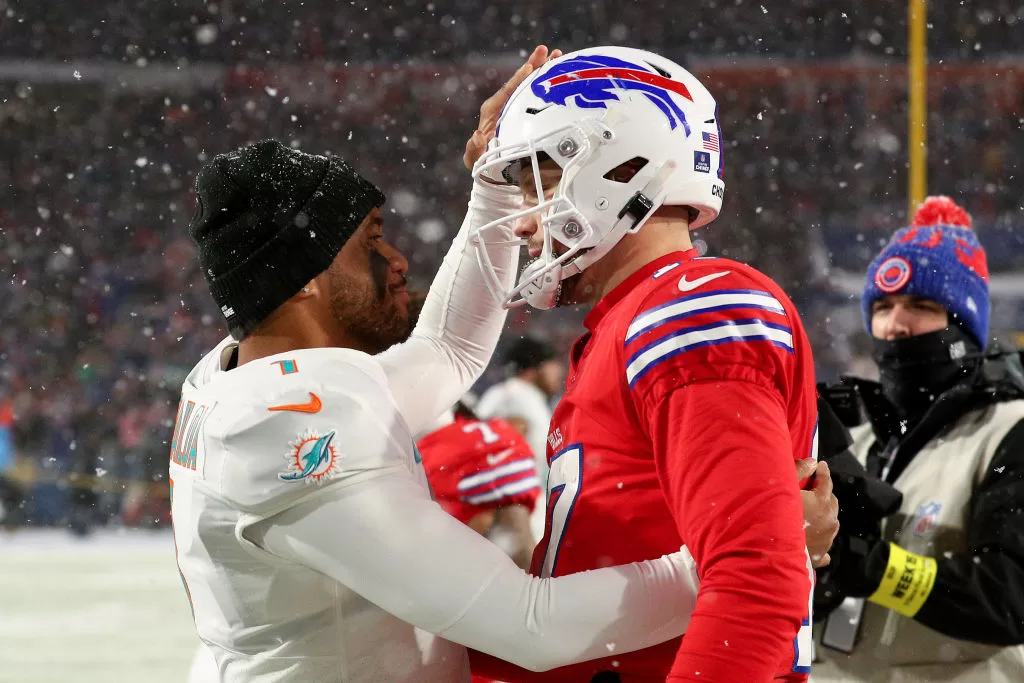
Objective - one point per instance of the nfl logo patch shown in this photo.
(702, 162)
(926, 518)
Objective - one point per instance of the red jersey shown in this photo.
(686, 403)
(477, 465)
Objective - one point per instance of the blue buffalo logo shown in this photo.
(590, 82)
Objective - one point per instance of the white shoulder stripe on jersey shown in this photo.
(510, 489)
(702, 303)
(664, 269)
(487, 476)
(707, 335)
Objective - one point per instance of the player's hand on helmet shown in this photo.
(821, 511)
(490, 110)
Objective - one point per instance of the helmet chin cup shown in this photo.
(541, 291)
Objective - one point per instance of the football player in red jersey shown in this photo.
(692, 392)
(483, 473)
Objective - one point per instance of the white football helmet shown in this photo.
(601, 114)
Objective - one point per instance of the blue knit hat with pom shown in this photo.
(939, 258)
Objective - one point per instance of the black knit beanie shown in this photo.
(269, 219)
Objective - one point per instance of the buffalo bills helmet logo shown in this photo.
(591, 81)
(893, 274)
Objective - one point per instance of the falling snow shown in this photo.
(106, 123)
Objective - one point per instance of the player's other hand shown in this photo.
(821, 511)
(492, 106)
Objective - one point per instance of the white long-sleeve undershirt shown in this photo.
(379, 533)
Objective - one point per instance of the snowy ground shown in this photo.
(108, 608)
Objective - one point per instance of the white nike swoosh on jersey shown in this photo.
(498, 457)
(690, 285)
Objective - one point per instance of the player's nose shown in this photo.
(528, 228)
(525, 226)
(396, 259)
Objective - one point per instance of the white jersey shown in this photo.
(265, 615)
(309, 544)
(515, 398)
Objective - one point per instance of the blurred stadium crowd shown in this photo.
(232, 31)
(105, 310)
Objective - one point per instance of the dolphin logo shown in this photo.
(315, 462)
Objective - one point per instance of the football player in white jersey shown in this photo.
(306, 536)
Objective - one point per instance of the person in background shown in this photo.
(483, 473)
(938, 596)
(11, 495)
(535, 375)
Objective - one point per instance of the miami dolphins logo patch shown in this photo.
(311, 458)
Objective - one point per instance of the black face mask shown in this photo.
(916, 370)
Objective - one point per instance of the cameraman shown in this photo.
(944, 582)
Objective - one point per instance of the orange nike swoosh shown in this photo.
(313, 406)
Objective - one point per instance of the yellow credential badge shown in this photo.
(907, 581)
